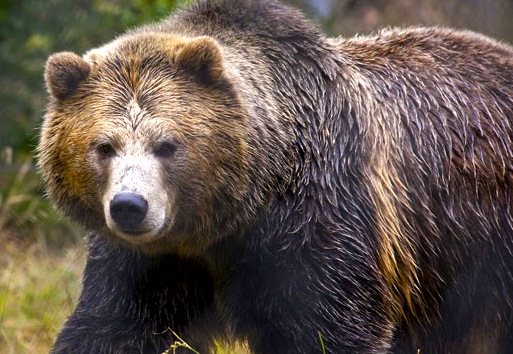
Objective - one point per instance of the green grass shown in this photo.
(323, 347)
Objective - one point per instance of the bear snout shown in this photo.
(129, 210)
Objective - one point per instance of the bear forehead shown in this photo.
(147, 64)
(134, 76)
(130, 67)
(138, 48)
(150, 81)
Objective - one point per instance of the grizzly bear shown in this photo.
(243, 177)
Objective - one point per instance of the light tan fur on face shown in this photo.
(136, 171)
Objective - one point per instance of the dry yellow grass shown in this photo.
(38, 289)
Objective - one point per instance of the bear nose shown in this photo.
(128, 210)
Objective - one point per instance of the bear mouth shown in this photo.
(134, 231)
(137, 236)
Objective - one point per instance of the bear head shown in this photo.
(145, 140)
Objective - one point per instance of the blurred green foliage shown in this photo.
(30, 30)
(25, 215)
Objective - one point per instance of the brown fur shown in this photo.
(358, 188)
(218, 141)
(478, 162)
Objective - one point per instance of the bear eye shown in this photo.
(106, 150)
(164, 149)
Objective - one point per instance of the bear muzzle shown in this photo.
(129, 210)
(137, 205)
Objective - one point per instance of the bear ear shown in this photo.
(201, 59)
(64, 72)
